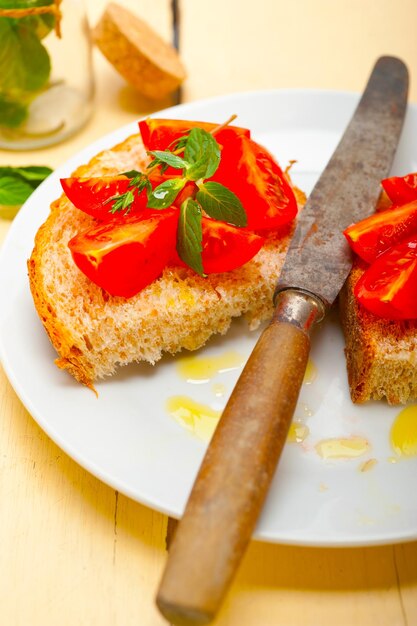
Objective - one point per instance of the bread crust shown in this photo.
(381, 354)
(94, 332)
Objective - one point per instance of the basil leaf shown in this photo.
(41, 25)
(17, 184)
(164, 195)
(24, 4)
(12, 113)
(34, 174)
(203, 152)
(14, 191)
(190, 235)
(131, 173)
(170, 159)
(221, 203)
(24, 61)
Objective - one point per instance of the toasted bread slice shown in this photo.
(94, 332)
(381, 355)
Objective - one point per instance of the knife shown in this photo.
(234, 477)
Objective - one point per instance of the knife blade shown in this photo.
(235, 474)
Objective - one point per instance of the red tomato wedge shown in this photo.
(401, 189)
(158, 134)
(388, 287)
(227, 247)
(375, 234)
(91, 195)
(251, 172)
(124, 256)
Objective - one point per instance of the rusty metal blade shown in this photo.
(319, 259)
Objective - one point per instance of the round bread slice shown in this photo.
(94, 332)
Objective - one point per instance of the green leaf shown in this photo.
(24, 61)
(12, 113)
(14, 191)
(24, 4)
(34, 174)
(41, 25)
(203, 152)
(122, 203)
(168, 158)
(190, 235)
(131, 173)
(221, 203)
(164, 195)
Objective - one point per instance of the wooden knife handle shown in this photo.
(236, 472)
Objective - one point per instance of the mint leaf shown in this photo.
(221, 203)
(24, 4)
(35, 174)
(17, 184)
(122, 203)
(164, 195)
(12, 113)
(168, 158)
(190, 235)
(24, 61)
(14, 191)
(131, 173)
(41, 25)
(203, 152)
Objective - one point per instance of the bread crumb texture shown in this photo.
(381, 355)
(94, 332)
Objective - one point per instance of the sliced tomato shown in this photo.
(158, 134)
(401, 189)
(123, 256)
(252, 173)
(375, 234)
(92, 195)
(227, 247)
(388, 287)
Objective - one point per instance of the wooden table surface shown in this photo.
(75, 552)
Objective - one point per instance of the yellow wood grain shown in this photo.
(72, 551)
(239, 45)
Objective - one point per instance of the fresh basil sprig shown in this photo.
(190, 235)
(221, 203)
(199, 162)
(17, 184)
(164, 195)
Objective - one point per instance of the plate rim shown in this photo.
(86, 152)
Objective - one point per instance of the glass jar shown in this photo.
(46, 79)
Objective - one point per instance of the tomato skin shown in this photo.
(401, 189)
(226, 247)
(375, 234)
(125, 255)
(90, 195)
(388, 287)
(252, 173)
(158, 134)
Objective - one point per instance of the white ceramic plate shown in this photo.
(126, 437)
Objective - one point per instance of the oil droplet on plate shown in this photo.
(367, 465)
(311, 373)
(219, 390)
(196, 369)
(344, 448)
(404, 432)
(297, 433)
(199, 419)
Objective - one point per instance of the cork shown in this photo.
(138, 53)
